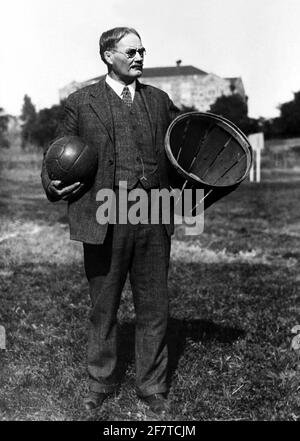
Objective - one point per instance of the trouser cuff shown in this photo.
(102, 388)
(161, 389)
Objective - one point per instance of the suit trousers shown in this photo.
(143, 251)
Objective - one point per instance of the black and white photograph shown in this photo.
(149, 213)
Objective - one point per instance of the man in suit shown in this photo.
(125, 122)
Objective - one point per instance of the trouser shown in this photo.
(143, 250)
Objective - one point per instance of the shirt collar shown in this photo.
(118, 87)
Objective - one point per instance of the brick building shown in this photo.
(186, 85)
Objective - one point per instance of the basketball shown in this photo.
(69, 159)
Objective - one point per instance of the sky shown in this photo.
(46, 44)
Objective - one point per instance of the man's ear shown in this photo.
(108, 57)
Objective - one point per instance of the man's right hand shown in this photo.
(56, 190)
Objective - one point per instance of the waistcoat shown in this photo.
(135, 158)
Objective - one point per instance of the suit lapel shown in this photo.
(100, 105)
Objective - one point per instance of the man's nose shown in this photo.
(138, 56)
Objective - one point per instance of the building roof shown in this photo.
(233, 79)
(171, 71)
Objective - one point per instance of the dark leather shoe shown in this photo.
(157, 403)
(94, 400)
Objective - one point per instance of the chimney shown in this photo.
(178, 63)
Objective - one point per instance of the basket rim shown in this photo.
(226, 124)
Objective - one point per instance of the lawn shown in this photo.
(234, 299)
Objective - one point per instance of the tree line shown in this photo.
(39, 127)
(286, 125)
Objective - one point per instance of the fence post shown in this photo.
(257, 143)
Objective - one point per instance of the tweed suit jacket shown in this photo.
(88, 115)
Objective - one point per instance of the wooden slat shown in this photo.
(224, 163)
(193, 142)
(214, 143)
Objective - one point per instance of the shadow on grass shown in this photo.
(204, 331)
(179, 331)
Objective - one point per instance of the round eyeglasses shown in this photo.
(131, 53)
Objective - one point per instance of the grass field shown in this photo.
(234, 293)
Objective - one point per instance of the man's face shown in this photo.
(125, 69)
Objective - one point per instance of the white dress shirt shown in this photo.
(118, 87)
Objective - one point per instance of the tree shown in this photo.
(46, 124)
(3, 129)
(185, 109)
(290, 116)
(40, 128)
(28, 116)
(235, 108)
(271, 127)
(288, 123)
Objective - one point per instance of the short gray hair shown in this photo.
(110, 38)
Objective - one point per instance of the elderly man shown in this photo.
(125, 121)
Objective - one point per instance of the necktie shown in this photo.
(126, 96)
